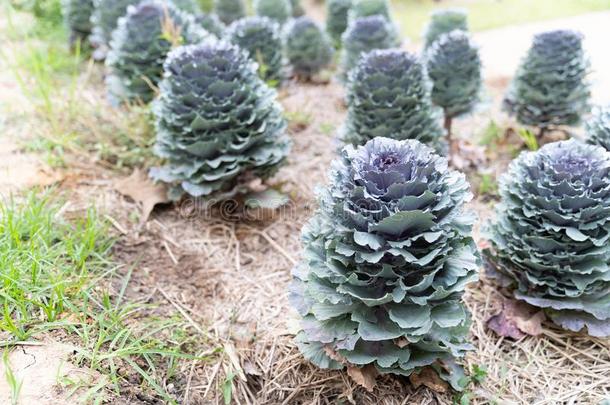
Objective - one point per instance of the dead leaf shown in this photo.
(243, 334)
(140, 188)
(503, 326)
(251, 369)
(334, 355)
(364, 376)
(231, 353)
(401, 342)
(528, 322)
(429, 378)
(517, 320)
(466, 155)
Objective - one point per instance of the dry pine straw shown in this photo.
(229, 280)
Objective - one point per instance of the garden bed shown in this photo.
(226, 280)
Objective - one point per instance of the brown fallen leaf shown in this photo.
(231, 353)
(502, 325)
(140, 188)
(401, 342)
(466, 155)
(251, 368)
(528, 322)
(517, 320)
(334, 355)
(243, 334)
(429, 378)
(364, 376)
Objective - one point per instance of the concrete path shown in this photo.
(502, 48)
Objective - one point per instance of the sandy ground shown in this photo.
(41, 369)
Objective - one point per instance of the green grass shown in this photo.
(488, 185)
(60, 84)
(46, 11)
(56, 275)
(413, 15)
(529, 138)
(44, 263)
(14, 384)
(298, 120)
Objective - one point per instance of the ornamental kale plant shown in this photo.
(307, 47)
(189, 6)
(211, 23)
(229, 10)
(336, 19)
(385, 262)
(104, 19)
(217, 121)
(77, 17)
(443, 22)
(388, 95)
(550, 87)
(364, 35)
(278, 10)
(367, 8)
(297, 8)
(139, 46)
(550, 236)
(598, 127)
(454, 66)
(260, 37)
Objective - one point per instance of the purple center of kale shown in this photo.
(575, 165)
(386, 161)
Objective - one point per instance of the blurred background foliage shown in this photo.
(412, 15)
